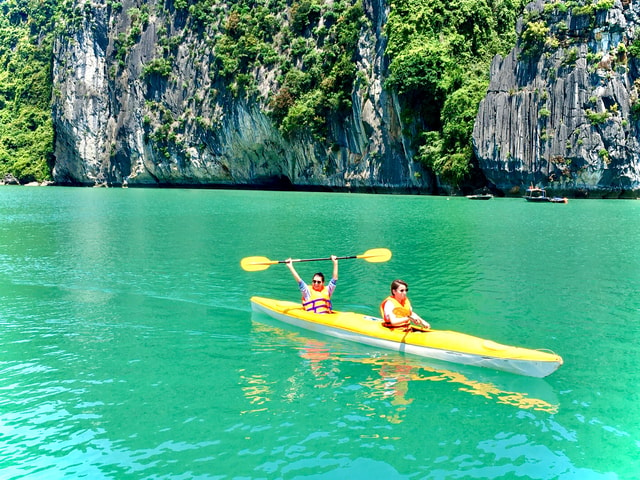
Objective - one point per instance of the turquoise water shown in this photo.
(128, 349)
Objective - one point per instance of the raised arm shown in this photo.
(334, 259)
(289, 264)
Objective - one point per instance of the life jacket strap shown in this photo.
(314, 305)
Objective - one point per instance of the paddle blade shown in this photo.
(255, 264)
(376, 255)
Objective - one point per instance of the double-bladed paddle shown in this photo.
(255, 264)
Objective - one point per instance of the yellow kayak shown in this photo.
(438, 344)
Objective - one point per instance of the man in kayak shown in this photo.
(317, 298)
(396, 309)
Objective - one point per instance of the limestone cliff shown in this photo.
(137, 100)
(562, 108)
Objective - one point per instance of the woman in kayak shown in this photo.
(396, 308)
(316, 299)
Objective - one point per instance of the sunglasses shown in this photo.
(402, 290)
(317, 281)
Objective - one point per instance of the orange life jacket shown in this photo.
(318, 302)
(399, 309)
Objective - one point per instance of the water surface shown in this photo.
(128, 348)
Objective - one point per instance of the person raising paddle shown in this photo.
(396, 309)
(316, 299)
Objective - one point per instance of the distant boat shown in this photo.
(480, 196)
(539, 195)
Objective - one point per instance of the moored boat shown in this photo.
(480, 196)
(534, 194)
(539, 195)
(437, 344)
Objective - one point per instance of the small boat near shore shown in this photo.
(443, 345)
(480, 196)
(539, 195)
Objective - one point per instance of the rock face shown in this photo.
(117, 124)
(562, 108)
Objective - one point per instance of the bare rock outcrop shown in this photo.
(562, 108)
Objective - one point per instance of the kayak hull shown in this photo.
(442, 345)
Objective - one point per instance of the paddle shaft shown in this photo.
(317, 259)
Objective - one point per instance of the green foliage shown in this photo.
(420, 69)
(125, 41)
(320, 89)
(302, 115)
(596, 118)
(158, 66)
(431, 150)
(587, 9)
(604, 5)
(634, 48)
(533, 37)
(459, 114)
(202, 12)
(303, 14)
(181, 4)
(281, 102)
(451, 167)
(572, 56)
(440, 54)
(26, 48)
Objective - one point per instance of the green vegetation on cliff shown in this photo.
(311, 44)
(440, 55)
(26, 130)
(439, 52)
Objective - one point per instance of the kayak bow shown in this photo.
(437, 344)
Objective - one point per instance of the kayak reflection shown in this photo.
(395, 373)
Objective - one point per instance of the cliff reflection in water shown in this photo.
(394, 373)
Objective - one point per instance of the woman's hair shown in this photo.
(319, 274)
(396, 283)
